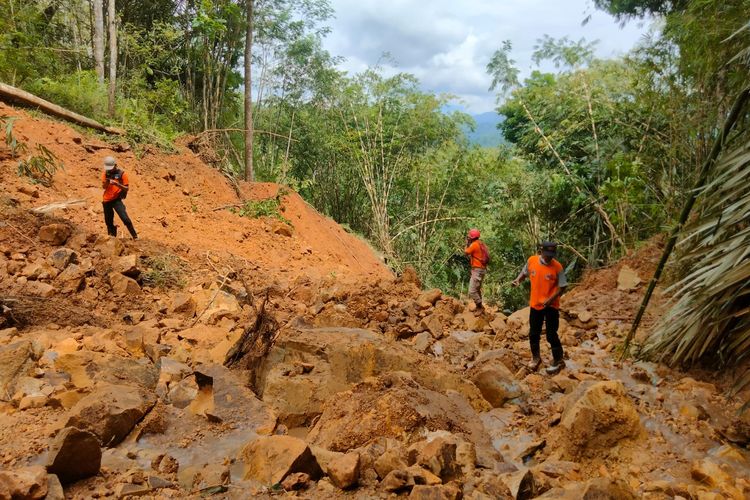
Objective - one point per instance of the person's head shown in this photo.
(109, 163)
(473, 234)
(548, 250)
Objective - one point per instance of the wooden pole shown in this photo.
(734, 115)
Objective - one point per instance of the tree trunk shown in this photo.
(112, 56)
(13, 95)
(249, 173)
(99, 39)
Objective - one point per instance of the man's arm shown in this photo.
(521, 276)
(562, 285)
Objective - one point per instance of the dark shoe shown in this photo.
(534, 364)
(555, 367)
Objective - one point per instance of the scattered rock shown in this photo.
(60, 258)
(597, 416)
(54, 488)
(216, 304)
(111, 412)
(496, 383)
(433, 325)
(124, 490)
(74, 454)
(521, 484)
(439, 492)
(430, 297)
(128, 266)
(344, 471)
(123, 286)
(296, 481)
(184, 304)
(110, 247)
(72, 279)
(270, 459)
(282, 229)
(15, 359)
(31, 191)
(628, 279)
(29, 483)
(439, 457)
(391, 459)
(54, 234)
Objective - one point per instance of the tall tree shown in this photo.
(112, 56)
(99, 39)
(249, 173)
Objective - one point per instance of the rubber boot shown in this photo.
(555, 367)
(534, 364)
(112, 231)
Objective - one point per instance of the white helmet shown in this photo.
(109, 163)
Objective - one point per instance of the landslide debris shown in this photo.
(207, 361)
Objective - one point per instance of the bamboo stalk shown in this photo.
(732, 118)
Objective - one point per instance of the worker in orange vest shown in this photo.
(548, 283)
(116, 185)
(479, 257)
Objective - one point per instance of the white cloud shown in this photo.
(447, 44)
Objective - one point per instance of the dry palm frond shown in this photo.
(709, 322)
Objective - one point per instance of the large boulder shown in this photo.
(74, 454)
(496, 383)
(395, 406)
(269, 459)
(597, 416)
(342, 357)
(111, 412)
(54, 234)
(29, 483)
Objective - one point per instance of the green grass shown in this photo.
(164, 271)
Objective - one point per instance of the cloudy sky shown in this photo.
(447, 43)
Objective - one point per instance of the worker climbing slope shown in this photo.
(116, 186)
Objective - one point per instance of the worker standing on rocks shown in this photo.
(548, 283)
(115, 184)
(479, 257)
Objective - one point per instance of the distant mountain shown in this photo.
(486, 133)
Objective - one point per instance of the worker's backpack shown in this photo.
(485, 257)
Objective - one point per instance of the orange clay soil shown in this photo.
(176, 199)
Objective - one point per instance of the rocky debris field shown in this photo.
(121, 376)
(227, 357)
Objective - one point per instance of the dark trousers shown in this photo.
(551, 316)
(110, 207)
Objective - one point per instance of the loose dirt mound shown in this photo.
(176, 199)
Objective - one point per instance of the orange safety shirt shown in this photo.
(546, 280)
(112, 192)
(475, 253)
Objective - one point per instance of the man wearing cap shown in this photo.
(115, 184)
(548, 282)
(478, 258)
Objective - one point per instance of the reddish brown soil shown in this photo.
(185, 213)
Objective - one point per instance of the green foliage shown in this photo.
(255, 209)
(164, 271)
(41, 167)
(13, 144)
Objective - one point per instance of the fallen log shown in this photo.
(14, 95)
